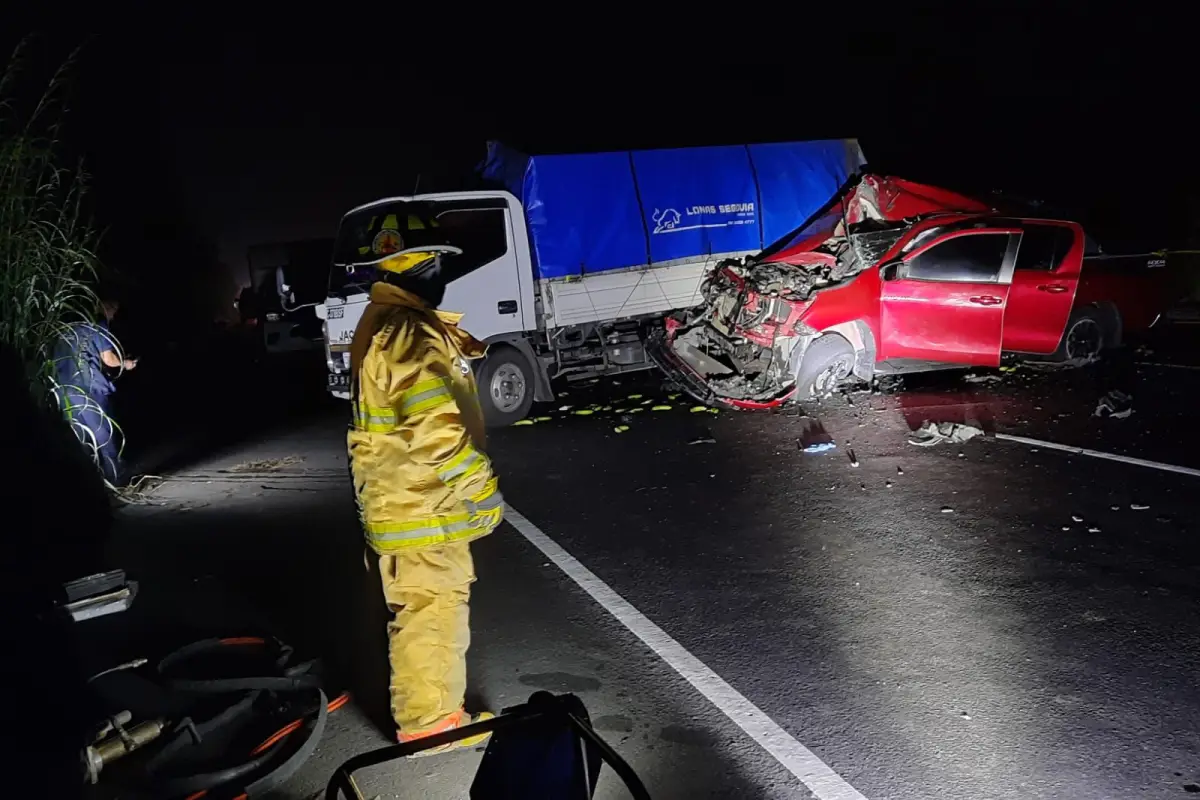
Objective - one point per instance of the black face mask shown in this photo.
(427, 281)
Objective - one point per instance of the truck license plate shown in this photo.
(336, 312)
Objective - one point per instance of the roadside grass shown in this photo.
(47, 243)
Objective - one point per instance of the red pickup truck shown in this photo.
(893, 277)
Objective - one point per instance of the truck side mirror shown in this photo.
(890, 271)
(282, 288)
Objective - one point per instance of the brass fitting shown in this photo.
(118, 745)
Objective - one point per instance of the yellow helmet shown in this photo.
(398, 249)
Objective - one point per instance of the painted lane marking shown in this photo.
(1166, 366)
(797, 759)
(1083, 451)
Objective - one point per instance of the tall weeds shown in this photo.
(48, 266)
(47, 261)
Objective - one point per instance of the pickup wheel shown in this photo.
(505, 387)
(827, 362)
(1084, 337)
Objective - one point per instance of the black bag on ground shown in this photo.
(545, 758)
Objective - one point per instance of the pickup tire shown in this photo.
(1085, 336)
(827, 362)
(506, 384)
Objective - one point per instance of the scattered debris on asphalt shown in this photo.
(621, 428)
(1138, 507)
(947, 510)
(814, 438)
(137, 491)
(853, 458)
(703, 440)
(1115, 404)
(931, 433)
(889, 384)
(977, 378)
(266, 464)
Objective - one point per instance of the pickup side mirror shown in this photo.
(890, 271)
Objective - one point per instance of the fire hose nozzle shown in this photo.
(118, 745)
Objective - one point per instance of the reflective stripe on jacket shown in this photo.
(417, 443)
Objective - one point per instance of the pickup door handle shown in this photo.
(987, 300)
(1053, 288)
(506, 307)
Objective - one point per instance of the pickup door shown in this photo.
(945, 301)
(1043, 286)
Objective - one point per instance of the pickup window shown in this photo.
(968, 258)
(1043, 247)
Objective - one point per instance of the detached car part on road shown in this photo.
(891, 277)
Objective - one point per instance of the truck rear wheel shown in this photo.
(505, 387)
(827, 362)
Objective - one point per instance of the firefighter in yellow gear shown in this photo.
(423, 482)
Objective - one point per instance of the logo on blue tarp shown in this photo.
(669, 220)
(666, 220)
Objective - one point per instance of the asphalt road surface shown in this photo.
(977, 620)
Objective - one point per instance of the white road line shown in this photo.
(1083, 451)
(1165, 366)
(797, 759)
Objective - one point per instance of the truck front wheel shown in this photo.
(827, 362)
(505, 387)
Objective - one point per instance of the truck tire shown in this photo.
(506, 384)
(1084, 337)
(827, 362)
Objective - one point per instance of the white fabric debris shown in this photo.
(932, 433)
(1115, 404)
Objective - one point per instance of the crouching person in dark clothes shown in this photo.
(83, 391)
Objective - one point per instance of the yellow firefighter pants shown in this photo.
(427, 589)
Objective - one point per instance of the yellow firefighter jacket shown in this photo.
(416, 447)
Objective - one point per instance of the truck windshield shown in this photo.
(477, 227)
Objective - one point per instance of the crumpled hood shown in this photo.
(875, 198)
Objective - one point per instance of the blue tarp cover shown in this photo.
(594, 212)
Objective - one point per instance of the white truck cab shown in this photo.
(537, 329)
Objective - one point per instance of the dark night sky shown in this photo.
(205, 145)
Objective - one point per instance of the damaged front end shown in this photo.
(737, 348)
(743, 346)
